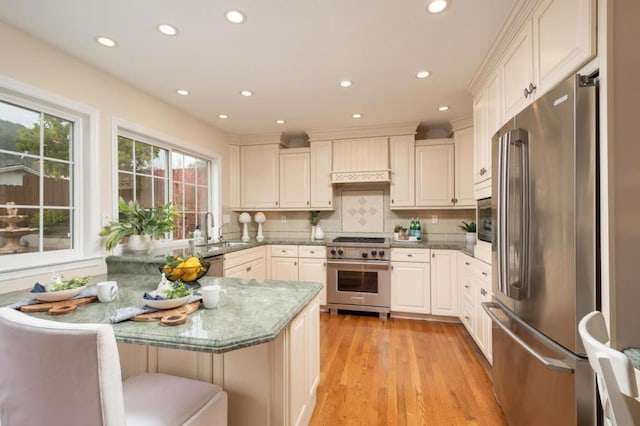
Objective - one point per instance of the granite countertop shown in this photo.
(252, 312)
(634, 356)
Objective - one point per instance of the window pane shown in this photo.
(202, 172)
(177, 161)
(125, 186)
(178, 228)
(18, 234)
(160, 163)
(19, 181)
(56, 230)
(159, 191)
(143, 191)
(178, 196)
(125, 154)
(189, 169)
(203, 199)
(189, 224)
(143, 153)
(57, 184)
(57, 137)
(190, 197)
(19, 129)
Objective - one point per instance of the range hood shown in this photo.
(361, 160)
(361, 176)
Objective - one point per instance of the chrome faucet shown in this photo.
(220, 238)
(205, 231)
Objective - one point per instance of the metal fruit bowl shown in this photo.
(185, 274)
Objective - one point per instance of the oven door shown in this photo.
(358, 283)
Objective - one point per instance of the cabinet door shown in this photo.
(464, 168)
(295, 181)
(444, 289)
(240, 271)
(563, 39)
(284, 268)
(518, 72)
(435, 174)
(482, 321)
(314, 270)
(480, 137)
(259, 166)
(297, 369)
(257, 270)
(234, 176)
(321, 187)
(402, 157)
(410, 287)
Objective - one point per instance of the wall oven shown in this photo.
(358, 276)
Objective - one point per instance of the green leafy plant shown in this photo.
(399, 228)
(177, 290)
(314, 219)
(135, 220)
(468, 227)
(72, 283)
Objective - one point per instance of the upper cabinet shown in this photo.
(295, 187)
(260, 171)
(517, 71)
(487, 119)
(234, 176)
(435, 173)
(321, 166)
(402, 157)
(463, 141)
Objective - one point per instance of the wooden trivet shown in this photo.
(173, 316)
(59, 308)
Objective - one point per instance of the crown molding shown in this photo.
(461, 123)
(363, 132)
(258, 139)
(520, 13)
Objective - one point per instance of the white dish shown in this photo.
(167, 303)
(56, 296)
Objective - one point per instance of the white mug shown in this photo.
(211, 295)
(107, 290)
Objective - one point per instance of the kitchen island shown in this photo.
(261, 345)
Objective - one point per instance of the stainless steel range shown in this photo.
(358, 275)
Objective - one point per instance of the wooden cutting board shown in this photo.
(59, 308)
(173, 316)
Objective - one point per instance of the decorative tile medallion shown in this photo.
(362, 211)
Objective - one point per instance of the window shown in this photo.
(37, 169)
(153, 174)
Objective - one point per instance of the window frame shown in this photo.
(157, 139)
(84, 252)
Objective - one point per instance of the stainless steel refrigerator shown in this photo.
(545, 256)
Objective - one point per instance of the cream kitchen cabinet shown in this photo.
(260, 170)
(312, 266)
(444, 288)
(517, 71)
(435, 180)
(234, 176)
(249, 263)
(402, 159)
(410, 280)
(464, 189)
(361, 160)
(294, 178)
(321, 167)
(487, 119)
(284, 262)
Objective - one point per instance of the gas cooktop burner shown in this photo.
(360, 240)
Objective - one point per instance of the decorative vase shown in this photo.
(396, 236)
(471, 238)
(319, 234)
(139, 244)
(313, 232)
(259, 218)
(244, 218)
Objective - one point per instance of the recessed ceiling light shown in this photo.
(223, 116)
(443, 108)
(279, 121)
(167, 29)
(246, 93)
(106, 41)
(423, 74)
(235, 16)
(437, 6)
(183, 92)
(345, 83)
(357, 115)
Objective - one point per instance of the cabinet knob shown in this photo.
(307, 203)
(392, 201)
(248, 268)
(433, 255)
(276, 203)
(526, 92)
(409, 255)
(467, 286)
(454, 200)
(485, 274)
(467, 263)
(329, 202)
(295, 263)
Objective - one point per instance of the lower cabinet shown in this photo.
(474, 287)
(410, 281)
(444, 289)
(300, 263)
(249, 264)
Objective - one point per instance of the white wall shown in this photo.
(44, 67)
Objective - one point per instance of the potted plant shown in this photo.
(139, 224)
(470, 229)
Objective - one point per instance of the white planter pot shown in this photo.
(139, 244)
(319, 235)
(471, 238)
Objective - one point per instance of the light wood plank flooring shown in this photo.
(400, 372)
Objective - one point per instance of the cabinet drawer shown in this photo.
(314, 252)
(410, 255)
(482, 270)
(467, 286)
(243, 256)
(468, 316)
(465, 263)
(284, 251)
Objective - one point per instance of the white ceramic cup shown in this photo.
(107, 290)
(211, 295)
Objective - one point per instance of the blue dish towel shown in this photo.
(129, 312)
(39, 288)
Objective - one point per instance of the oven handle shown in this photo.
(374, 264)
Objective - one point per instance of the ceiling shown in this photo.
(291, 54)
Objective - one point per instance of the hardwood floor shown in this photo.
(400, 372)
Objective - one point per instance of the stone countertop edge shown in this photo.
(634, 356)
(252, 312)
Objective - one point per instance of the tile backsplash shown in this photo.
(359, 210)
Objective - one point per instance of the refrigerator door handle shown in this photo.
(550, 363)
